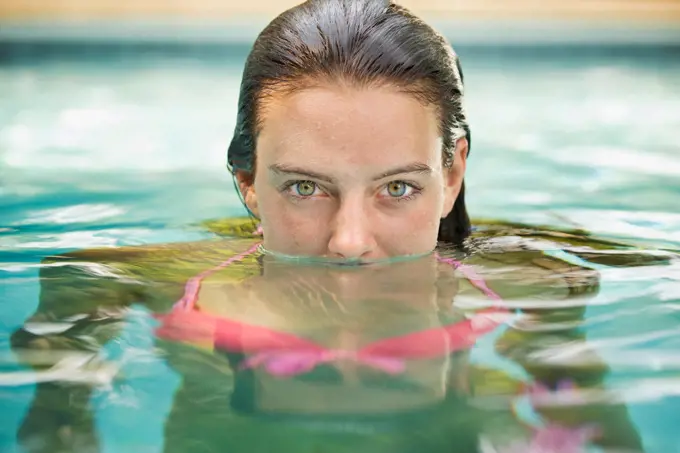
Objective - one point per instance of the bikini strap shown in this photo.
(193, 285)
(473, 277)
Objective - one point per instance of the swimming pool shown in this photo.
(122, 145)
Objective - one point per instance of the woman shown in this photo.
(350, 148)
(351, 139)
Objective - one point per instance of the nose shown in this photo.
(352, 236)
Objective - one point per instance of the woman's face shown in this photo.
(351, 173)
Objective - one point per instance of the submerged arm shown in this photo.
(78, 312)
(550, 345)
(83, 301)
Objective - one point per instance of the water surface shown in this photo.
(110, 147)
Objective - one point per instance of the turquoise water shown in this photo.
(116, 147)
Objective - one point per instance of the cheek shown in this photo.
(414, 230)
(290, 229)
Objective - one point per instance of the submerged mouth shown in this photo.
(340, 262)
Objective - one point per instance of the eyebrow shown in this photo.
(283, 169)
(415, 167)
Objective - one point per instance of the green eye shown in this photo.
(396, 189)
(305, 188)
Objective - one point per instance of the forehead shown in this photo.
(372, 125)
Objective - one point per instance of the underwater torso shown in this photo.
(378, 363)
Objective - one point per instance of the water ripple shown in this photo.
(82, 213)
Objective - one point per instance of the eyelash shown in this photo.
(416, 190)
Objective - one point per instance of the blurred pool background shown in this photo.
(115, 120)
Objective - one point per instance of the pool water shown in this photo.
(110, 146)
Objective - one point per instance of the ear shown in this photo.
(246, 185)
(453, 176)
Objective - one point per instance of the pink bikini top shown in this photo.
(286, 355)
(283, 354)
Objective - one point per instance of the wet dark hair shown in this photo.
(359, 42)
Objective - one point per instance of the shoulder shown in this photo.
(154, 275)
(162, 261)
(524, 261)
(521, 263)
(151, 274)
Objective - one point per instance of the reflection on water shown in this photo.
(327, 358)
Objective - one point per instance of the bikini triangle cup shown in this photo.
(284, 354)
